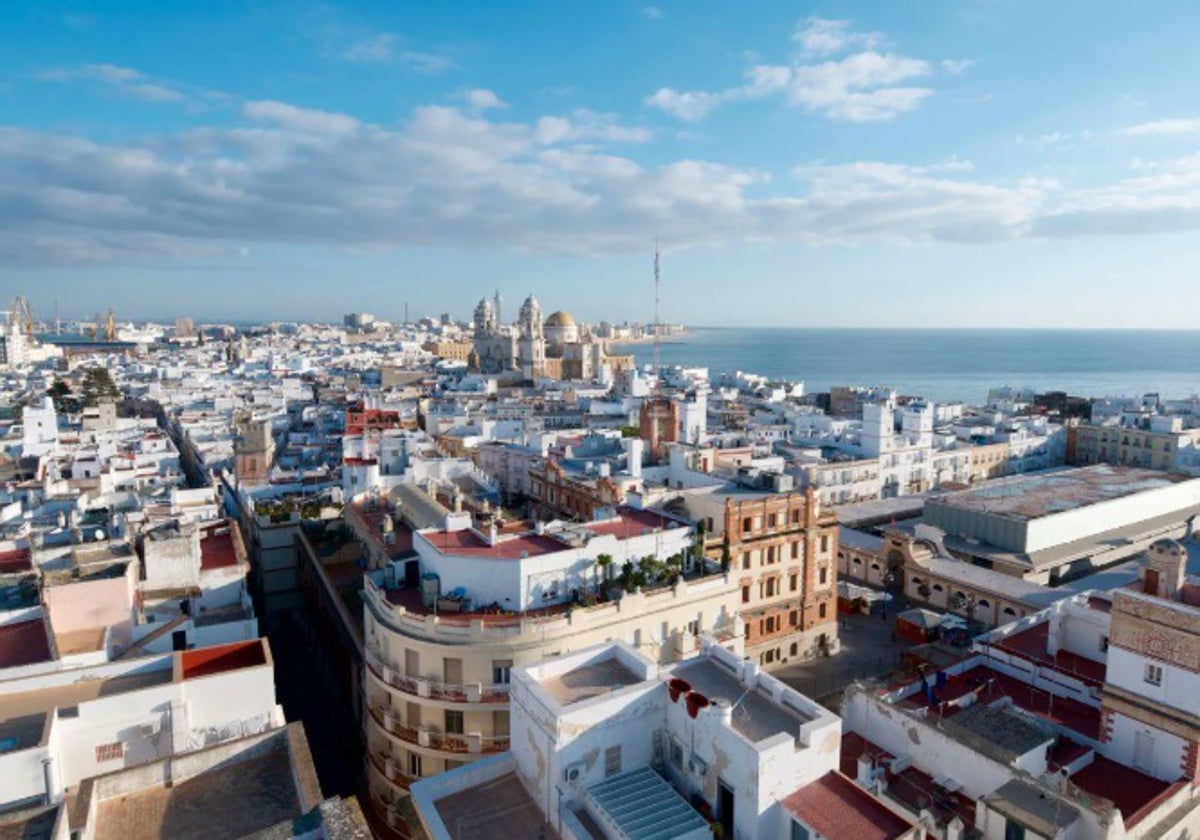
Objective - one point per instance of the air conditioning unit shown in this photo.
(424, 737)
(698, 765)
(387, 674)
(573, 773)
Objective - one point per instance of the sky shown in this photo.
(993, 163)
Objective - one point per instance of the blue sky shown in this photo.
(973, 163)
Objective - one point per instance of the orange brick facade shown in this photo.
(783, 553)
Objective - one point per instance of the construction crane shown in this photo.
(22, 314)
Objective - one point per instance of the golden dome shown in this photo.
(560, 319)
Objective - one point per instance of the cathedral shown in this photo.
(557, 348)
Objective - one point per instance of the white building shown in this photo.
(64, 725)
(606, 744)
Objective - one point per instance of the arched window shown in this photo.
(983, 604)
(917, 581)
(1009, 611)
(937, 587)
(874, 567)
(857, 562)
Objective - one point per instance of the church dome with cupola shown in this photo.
(561, 328)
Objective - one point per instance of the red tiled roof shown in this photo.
(15, 561)
(838, 809)
(217, 551)
(24, 643)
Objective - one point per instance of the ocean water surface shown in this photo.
(949, 365)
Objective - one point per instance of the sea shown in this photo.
(948, 365)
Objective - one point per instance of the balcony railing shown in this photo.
(389, 768)
(472, 743)
(421, 687)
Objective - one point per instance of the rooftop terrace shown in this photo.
(497, 809)
(590, 680)
(755, 716)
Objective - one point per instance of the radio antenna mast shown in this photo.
(657, 305)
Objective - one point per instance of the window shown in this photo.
(612, 761)
(414, 765)
(746, 560)
(745, 594)
(501, 669)
(795, 551)
(794, 618)
(821, 611)
(824, 543)
(677, 754)
(800, 831)
(771, 520)
(770, 587)
(454, 722)
(1104, 644)
(823, 574)
(746, 524)
(793, 582)
(110, 752)
(1154, 673)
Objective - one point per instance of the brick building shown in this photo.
(782, 550)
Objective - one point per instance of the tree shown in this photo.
(60, 393)
(98, 384)
(726, 555)
(605, 561)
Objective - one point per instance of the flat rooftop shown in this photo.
(991, 686)
(218, 550)
(32, 824)
(756, 716)
(23, 713)
(499, 809)
(1028, 497)
(202, 807)
(591, 680)
(23, 643)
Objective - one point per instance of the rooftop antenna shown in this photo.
(657, 305)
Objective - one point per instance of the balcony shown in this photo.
(389, 768)
(445, 692)
(470, 743)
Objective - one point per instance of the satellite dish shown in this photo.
(99, 535)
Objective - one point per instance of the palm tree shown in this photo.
(604, 561)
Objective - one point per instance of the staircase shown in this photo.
(155, 634)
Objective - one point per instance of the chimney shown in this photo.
(866, 771)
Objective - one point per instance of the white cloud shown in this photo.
(957, 66)
(482, 99)
(461, 178)
(301, 119)
(685, 105)
(819, 37)
(862, 86)
(1172, 125)
(377, 49)
(653, 12)
(387, 48)
(123, 80)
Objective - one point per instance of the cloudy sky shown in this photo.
(972, 163)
